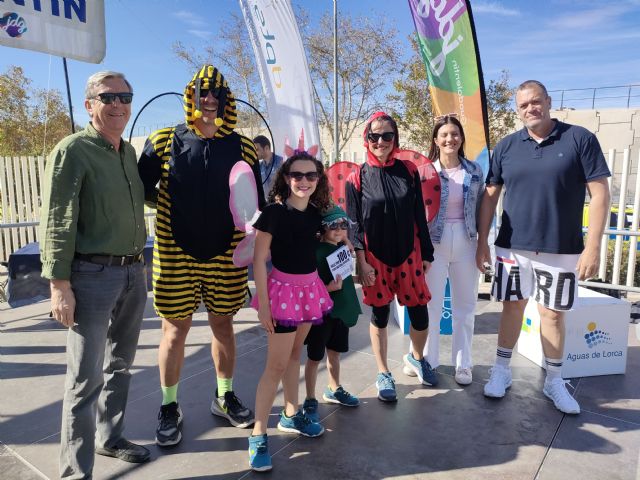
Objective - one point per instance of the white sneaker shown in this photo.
(499, 381)
(556, 390)
(408, 371)
(463, 376)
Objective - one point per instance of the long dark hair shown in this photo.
(280, 190)
(434, 151)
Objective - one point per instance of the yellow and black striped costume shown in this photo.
(195, 235)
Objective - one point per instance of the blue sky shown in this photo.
(564, 43)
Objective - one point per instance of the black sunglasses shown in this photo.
(215, 92)
(337, 225)
(297, 176)
(108, 98)
(386, 136)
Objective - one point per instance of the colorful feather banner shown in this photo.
(448, 44)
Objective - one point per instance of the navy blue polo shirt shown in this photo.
(545, 187)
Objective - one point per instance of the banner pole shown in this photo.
(66, 79)
(335, 82)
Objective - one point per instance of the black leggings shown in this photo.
(418, 316)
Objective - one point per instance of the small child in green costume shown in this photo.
(333, 334)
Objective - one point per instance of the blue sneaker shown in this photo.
(259, 457)
(386, 387)
(340, 396)
(310, 409)
(422, 369)
(301, 424)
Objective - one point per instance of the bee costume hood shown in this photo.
(209, 78)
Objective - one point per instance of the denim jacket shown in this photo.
(472, 191)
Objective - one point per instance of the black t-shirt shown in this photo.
(545, 187)
(295, 236)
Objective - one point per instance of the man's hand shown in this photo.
(588, 264)
(63, 302)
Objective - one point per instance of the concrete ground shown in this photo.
(447, 432)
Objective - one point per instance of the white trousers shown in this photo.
(455, 258)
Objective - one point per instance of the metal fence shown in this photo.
(622, 96)
(20, 200)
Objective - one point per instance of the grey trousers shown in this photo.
(101, 346)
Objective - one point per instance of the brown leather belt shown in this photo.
(110, 260)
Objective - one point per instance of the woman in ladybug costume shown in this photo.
(393, 247)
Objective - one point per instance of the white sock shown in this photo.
(554, 368)
(503, 356)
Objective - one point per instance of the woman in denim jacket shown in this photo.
(454, 235)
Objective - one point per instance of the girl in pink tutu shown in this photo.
(291, 297)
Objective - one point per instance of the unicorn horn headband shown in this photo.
(290, 152)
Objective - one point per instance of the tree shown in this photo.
(412, 102)
(365, 50)
(366, 62)
(32, 121)
(502, 116)
(413, 108)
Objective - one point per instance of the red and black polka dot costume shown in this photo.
(385, 201)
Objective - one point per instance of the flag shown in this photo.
(66, 29)
(283, 69)
(447, 41)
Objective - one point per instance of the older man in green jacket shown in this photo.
(92, 235)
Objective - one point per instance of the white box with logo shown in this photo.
(596, 333)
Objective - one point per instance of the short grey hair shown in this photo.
(533, 83)
(98, 79)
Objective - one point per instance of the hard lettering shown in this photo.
(544, 281)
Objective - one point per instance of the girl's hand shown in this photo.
(367, 274)
(264, 315)
(335, 285)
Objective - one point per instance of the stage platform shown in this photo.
(447, 432)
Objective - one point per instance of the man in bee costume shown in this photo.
(195, 240)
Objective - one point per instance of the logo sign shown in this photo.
(13, 24)
(595, 336)
(67, 28)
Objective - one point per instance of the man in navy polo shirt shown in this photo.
(545, 168)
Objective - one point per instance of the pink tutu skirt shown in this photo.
(296, 298)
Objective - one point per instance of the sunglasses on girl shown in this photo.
(337, 225)
(108, 98)
(297, 176)
(386, 136)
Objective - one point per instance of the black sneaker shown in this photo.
(125, 450)
(231, 408)
(169, 431)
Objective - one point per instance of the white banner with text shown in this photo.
(284, 73)
(68, 28)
